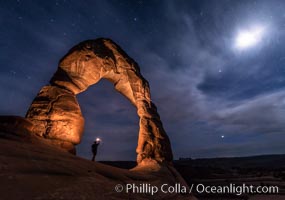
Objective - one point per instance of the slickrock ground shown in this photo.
(30, 168)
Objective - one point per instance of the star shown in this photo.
(13, 72)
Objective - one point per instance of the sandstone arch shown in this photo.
(55, 111)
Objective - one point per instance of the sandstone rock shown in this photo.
(56, 113)
(16, 125)
(38, 171)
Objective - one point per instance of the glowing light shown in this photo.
(222, 136)
(249, 38)
(98, 140)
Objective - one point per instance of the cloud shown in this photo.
(262, 114)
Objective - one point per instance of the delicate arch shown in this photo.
(56, 112)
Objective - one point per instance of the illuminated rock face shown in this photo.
(56, 115)
(55, 110)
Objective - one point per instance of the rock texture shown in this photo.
(55, 111)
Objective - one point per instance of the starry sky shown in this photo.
(216, 97)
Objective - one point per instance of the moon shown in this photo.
(249, 37)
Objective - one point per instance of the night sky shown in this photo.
(216, 70)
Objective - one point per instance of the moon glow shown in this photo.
(249, 38)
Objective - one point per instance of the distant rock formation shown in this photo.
(56, 114)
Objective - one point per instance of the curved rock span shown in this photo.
(56, 114)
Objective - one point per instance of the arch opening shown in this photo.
(109, 116)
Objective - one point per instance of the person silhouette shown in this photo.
(94, 148)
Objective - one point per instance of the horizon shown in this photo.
(194, 158)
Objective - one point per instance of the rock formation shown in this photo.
(55, 111)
